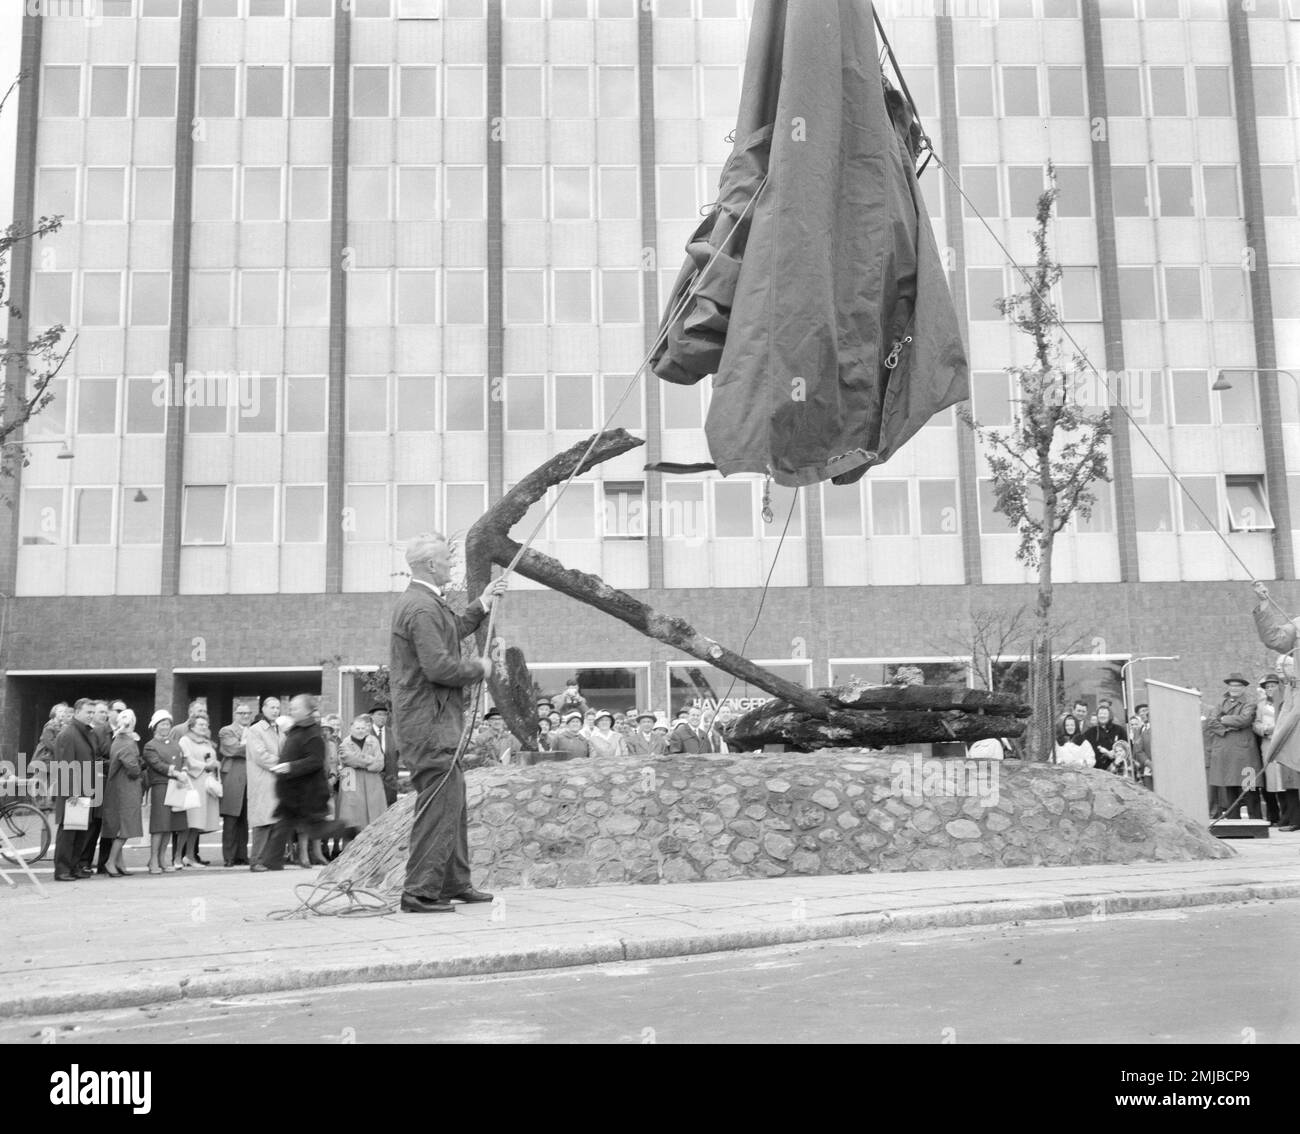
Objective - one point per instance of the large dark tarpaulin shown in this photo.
(832, 262)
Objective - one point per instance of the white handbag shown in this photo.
(76, 814)
(212, 785)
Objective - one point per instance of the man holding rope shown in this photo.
(427, 679)
(1279, 633)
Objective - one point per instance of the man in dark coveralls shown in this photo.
(426, 678)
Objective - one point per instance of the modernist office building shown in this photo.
(430, 240)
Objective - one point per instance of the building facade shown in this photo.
(340, 273)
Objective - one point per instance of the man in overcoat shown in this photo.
(383, 731)
(427, 678)
(1234, 749)
(234, 784)
(72, 775)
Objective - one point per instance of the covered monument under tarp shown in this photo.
(817, 266)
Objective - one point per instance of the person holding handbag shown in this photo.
(361, 795)
(201, 768)
(162, 760)
(123, 794)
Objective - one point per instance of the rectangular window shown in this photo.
(684, 513)
(680, 406)
(574, 515)
(372, 9)
(572, 295)
(525, 299)
(1270, 92)
(620, 296)
(980, 183)
(1123, 92)
(1080, 301)
(51, 298)
(1278, 182)
(1073, 191)
(56, 193)
(417, 297)
(141, 521)
(842, 509)
(719, 92)
(367, 405)
(266, 8)
(463, 395)
(96, 405)
(465, 92)
(1129, 189)
(1213, 92)
(262, 195)
(417, 193)
(522, 93)
(365, 513)
(216, 97)
(1065, 92)
(108, 91)
(623, 407)
(214, 193)
(208, 404)
(922, 86)
(368, 194)
(304, 404)
(1183, 293)
(1230, 294)
(370, 92)
(675, 92)
(573, 401)
(156, 96)
(618, 194)
(524, 195)
(417, 406)
(92, 516)
(1248, 509)
(1168, 91)
(975, 92)
(624, 510)
(678, 197)
(1222, 197)
(890, 513)
(224, 8)
(1285, 284)
(992, 522)
(938, 500)
(151, 299)
(1174, 185)
(1024, 187)
(101, 299)
(571, 192)
(1198, 497)
(418, 92)
(991, 397)
(464, 193)
(204, 508)
(1238, 404)
(105, 194)
(369, 299)
(616, 92)
(259, 400)
(984, 287)
(259, 299)
(146, 405)
(733, 509)
(311, 92)
(526, 402)
(1020, 91)
(1137, 293)
(309, 297)
(304, 513)
(41, 518)
(417, 510)
(254, 513)
(1101, 518)
(309, 193)
(570, 92)
(1191, 397)
(153, 194)
(465, 503)
(61, 92)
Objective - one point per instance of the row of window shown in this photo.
(1077, 298)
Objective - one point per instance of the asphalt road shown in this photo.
(1223, 975)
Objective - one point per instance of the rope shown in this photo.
(361, 902)
(1211, 522)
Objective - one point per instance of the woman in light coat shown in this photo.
(1280, 634)
(162, 758)
(1072, 748)
(262, 753)
(123, 793)
(201, 766)
(604, 741)
(361, 776)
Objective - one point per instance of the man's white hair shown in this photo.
(419, 548)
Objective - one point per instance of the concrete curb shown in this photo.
(614, 949)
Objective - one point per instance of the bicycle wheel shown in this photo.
(28, 833)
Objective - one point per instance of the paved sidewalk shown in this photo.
(106, 942)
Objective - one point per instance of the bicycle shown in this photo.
(27, 830)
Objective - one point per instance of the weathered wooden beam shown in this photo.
(933, 697)
(867, 729)
(488, 542)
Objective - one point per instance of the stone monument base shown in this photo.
(706, 818)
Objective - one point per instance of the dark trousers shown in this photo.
(1290, 808)
(234, 835)
(1250, 801)
(87, 858)
(68, 849)
(438, 866)
(285, 829)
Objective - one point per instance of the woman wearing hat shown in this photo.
(123, 793)
(569, 743)
(1279, 633)
(604, 741)
(162, 760)
(1233, 747)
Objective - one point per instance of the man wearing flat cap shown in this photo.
(427, 678)
(1234, 748)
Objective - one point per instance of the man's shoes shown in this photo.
(1284, 829)
(101, 870)
(413, 903)
(470, 895)
(65, 878)
(258, 867)
(86, 872)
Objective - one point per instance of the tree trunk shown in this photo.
(867, 729)
(1042, 674)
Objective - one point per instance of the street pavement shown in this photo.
(1157, 977)
(105, 942)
